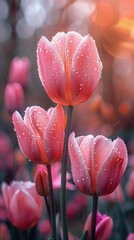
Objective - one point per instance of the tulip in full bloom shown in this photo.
(23, 203)
(13, 97)
(69, 67)
(104, 225)
(19, 71)
(41, 133)
(97, 163)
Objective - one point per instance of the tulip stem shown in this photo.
(24, 235)
(94, 212)
(52, 205)
(63, 177)
(48, 208)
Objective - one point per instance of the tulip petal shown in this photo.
(54, 134)
(19, 216)
(102, 149)
(104, 228)
(26, 139)
(86, 70)
(51, 70)
(113, 168)
(36, 119)
(78, 166)
(66, 45)
(86, 147)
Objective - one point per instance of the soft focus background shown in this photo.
(111, 24)
(110, 110)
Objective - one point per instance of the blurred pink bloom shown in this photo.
(116, 195)
(4, 232)
(130, 185)
(41, 179)
(76, 205)
(104, 225)
(130, 236)
(13, 97)
(69, 67)
(6, 152)
(19, 71)
(44, 227)
(23, 203)
(3, 211)
(41, 133)
(97, 163)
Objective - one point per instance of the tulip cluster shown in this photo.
(69, 67)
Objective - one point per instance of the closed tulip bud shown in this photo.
(69, 67)
(13, 97)
(97, 163)
(41, 181)
(104, 225)
(19, 71)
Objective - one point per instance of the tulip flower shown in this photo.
(69, 67)
(13, 97)
(4, 232)
(23, 203)
(41, 133)
(97, 163)
(130, 236)
(19, 71)
(104, 225)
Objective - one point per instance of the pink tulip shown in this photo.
(97, 163)
(41, 179)
(13, 97)
(4, 232)
(41, 134)
(130, 236)
(23, 203)
(19, 71)
(104, 225)
(130, 185)
(69, 67)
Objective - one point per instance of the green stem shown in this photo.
(48, 208)
(24, 235)
(52, 205)
(63, 177)
(94, 212)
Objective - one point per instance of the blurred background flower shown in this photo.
(110, 110)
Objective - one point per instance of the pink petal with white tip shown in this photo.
(26, 139)
(78, 166)
(54, 135)
(86, 70)
(51, 70)
(113, 168)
